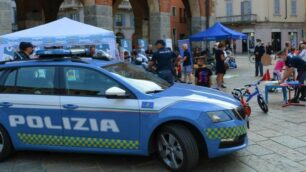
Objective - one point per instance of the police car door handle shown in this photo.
(70, 106)
(6, 104)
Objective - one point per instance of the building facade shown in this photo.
(152, 18)
(124, 26)
(179, 21)
(272, 21)
(72, 9)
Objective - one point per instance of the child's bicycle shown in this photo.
(244, 95)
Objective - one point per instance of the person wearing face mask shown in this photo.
(259, 52)
(26, 49)
(292, 63)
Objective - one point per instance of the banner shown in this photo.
(143, 44)
(169, 43)
(8, 53)
(126, 45)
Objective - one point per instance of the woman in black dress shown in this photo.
(220, 66)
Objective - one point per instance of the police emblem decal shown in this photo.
(147, 105)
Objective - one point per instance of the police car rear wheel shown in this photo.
(177, 148)
(6, 147)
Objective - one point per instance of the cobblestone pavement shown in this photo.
(277, 144)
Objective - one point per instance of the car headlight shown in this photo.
(219, 116)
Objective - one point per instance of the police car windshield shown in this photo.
(138, 77)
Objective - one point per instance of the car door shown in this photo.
(30, 108)
(90, 119)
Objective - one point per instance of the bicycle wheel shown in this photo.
(252, 58)
(262, 104)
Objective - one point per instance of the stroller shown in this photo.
(230, 60)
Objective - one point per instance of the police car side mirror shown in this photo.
(115, 92)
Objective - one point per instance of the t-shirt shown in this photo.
(187, 62)
(303, 54)
(164, 59)
(296, 62)
(218, 55)
(203, 75)
(279, 65)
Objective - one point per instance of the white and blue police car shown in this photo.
(104, 106)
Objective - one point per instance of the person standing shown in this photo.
(163, 61)
(234, 46)
(117, 53)
(269, 49)
(26, 49)
(259, 52)
(92, 51)
(202, 73)
(187, 65)
(220, 66)
(149, 51)
(288, 48)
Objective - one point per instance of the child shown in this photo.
(127, 57)
(278, 68)
(202, 74)
(178, 69)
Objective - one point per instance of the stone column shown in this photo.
(159, 26)
(5, 17)
(99, 14)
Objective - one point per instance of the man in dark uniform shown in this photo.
(26, 49)
(259, 52)
(291, 64)
(163, 61)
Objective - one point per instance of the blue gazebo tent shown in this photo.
(217, 32)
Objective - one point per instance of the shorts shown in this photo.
(277, 75)
(187, 69)
(220, 69)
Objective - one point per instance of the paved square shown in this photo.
(277, 144)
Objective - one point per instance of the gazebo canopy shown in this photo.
(217, 32)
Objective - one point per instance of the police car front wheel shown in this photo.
(177, 148)
(6, 147)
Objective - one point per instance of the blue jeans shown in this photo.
(166, 75)
(258, 68)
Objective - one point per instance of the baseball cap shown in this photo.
(162, 42)
(25, 45)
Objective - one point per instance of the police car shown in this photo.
(104, 106)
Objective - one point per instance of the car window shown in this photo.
(87, 82)
(2, 72)
(8, 81)
(11, 79)
(36, 80)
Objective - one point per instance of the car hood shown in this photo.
(210, 97)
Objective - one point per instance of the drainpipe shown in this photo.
(286, 9)
(207, 13)
(207, 10)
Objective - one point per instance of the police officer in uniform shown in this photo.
(26, 49)
(163, 61)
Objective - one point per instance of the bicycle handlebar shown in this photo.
(253, 85)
